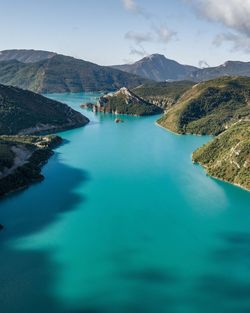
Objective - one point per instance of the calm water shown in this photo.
(125, 223)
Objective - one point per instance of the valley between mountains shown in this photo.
(218, 107)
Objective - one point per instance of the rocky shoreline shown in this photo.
(205, 168)
(124, 101)
(28, 169)
(202, 164)
(20, 176)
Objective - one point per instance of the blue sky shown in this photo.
(117, 31)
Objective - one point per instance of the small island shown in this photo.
(118, 120)
(124, 101)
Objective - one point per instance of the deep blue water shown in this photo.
(125, 223)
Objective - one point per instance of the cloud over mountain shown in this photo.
(139, 37)
(158, 33)
(130, 5)
(233, 14)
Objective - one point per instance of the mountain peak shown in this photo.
(155, 55)
(157, 67)
(153, 58)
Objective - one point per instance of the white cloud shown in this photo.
(233, 14)
(139, 52)
(130, 5)
(164, 34)
(160, 34)
(156, 34)
(239, 42)
(139, 37)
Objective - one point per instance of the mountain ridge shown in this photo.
(210, 107)
(25, 55)
(229, 68)
(157, 67)
(169, 70)
(61, 73)
(24, 112)
(39, 71)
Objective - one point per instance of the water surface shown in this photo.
(124, 223)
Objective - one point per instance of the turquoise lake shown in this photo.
(125, 223)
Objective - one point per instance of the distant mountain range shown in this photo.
(157, 67)
(230, 68)
(48, 72)
(59, 73)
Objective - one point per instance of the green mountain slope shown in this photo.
(125, 101)
(24, 112)
(64, 74)
(227, 157)
(210, 107)
(163, 94)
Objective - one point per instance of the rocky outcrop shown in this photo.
(28, 155)
(124, 101)
(118, 120)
